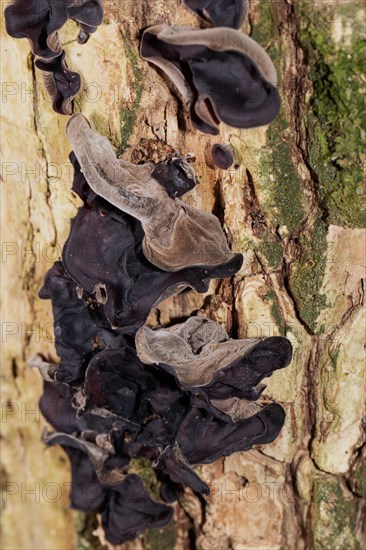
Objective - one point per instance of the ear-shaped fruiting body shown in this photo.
(61, 84)
(204, 438)
(176, 176)
(117, 381)
(177, 235)
(39, 21)
(80, 326)
(158, 413)
(221, 13)
(109, 467)
(88, 14)
(104, 251)
(176, 466)
(223, 75)
(222, 155)
(130, 510)
(216, 360)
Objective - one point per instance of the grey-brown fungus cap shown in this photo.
(221, 13)
(198, 351)
(222, 74)
(176, 235)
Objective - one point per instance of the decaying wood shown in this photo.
(303, 276)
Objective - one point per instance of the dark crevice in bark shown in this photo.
(42, 147)
(287, 285)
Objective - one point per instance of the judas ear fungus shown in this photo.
(221, 13)
(130, 510)
(222, 74)
(222, 156)
(237, 363)
(104, 247)
(173, 463)
(61, 84)
(79, 325)
(39, 21)
(98, 457)
(176, 176)
(176, 235)
(36, 21)
(88, 14)
(204, 438)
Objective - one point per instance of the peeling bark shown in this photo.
(303, 276)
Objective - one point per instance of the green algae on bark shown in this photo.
(85, 526)
(128, 116)
(307, 274)
(160, 539)
(336, 125)
(276, 313)
(334, 516)
(143, 468)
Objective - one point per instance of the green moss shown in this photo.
(143, 468)
(307, 274)
(281, 181)
(264, 28)
(128, 115)
(273, 252)
(333, 517)
(276, 313)
(359, 478)
(85, 525)
(160, 539)
(336, 123)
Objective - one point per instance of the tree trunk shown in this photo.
(292, 205)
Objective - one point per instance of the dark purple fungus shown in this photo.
(204, 438)
(130, 510)
(156, 409)
(221, 13)
(61, 84)
(103, 255)
(176, 176)
(100, 482)
(126, 409)
(222, 74)
(39, 21)
(117, 381)
(222, 155)
(176, 467)
(80, 325)
(176, 235)
(88, 14)
(200, 353)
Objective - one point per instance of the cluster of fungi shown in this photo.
(176, 396)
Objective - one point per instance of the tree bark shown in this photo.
(292, 206)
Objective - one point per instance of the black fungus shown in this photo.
(221, 13)
(222, 155)
(176, 397)
(61, 84)
(176, 235)
(39, 21)
(223, 75)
